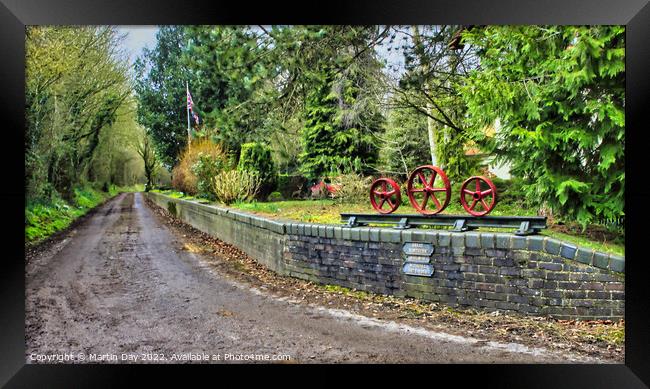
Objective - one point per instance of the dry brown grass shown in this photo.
(183, 179)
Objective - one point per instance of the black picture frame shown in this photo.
(635, 14)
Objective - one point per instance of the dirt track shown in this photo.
(121, 284)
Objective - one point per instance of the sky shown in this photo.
(137, 38)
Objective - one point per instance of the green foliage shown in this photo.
(236, 186)
(161, 90)
(559, 93)
(46, 217)
(451, 152)
(330, 144)
(404, 144)
(76, 88)
(275, 196)
(256, 157)
(511, 192)
(232, 88)
(147, 152)
(430, 88)
(205, 169)
(291, 186)
(197, 166)
(352, 188)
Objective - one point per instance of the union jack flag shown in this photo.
(190, 106)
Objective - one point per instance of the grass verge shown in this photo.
(45, 218)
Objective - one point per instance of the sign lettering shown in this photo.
(418, 269)
(425, 249)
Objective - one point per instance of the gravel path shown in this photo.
(120, 288)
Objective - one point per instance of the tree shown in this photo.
(256, 157)
(76, 83)
(160, 85)
(232, 82)
(430, 87)
(326, 76)
(115, 160)
(403, 144)
(333, 140)
(559, 93)
(147, 151)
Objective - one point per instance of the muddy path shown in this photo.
(121, 284)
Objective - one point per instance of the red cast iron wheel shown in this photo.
(478, 198)
(422, 189)
(385, 195)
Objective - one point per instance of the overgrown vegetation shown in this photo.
(81, 130)
(236, 185)
(559, 95)
(44, 218)
(78, 104)
(301, 105)
(351, 188)
(256, 158)
(547, 101)
(198, 165)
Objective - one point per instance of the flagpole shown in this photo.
(187, 94)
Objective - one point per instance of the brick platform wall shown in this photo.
(532, 275)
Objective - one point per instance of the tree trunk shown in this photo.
(417, 42)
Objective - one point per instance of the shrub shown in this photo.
(319, 190)
(184, 177)
(205, 169)
(181, 180)
(256, 157)
(291, 186)
(352, 188)
(275, 196)
(511, 191)
(236, 186)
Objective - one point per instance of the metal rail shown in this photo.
(527, 225)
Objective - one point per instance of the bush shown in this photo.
(184, 177)
(256, 157)
(511, 191)
(291, 186)
(236, 186)
(352, 188)
(275, 196)
(182, 181)
(205, 169)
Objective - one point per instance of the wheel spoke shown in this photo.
(469, 192)
(422, 179)
(383, 186)
(486, 192)
(473, 204)
(392, 192)
(484, 205)
(376, 193)
(390, 203)
(478, 185)
(433, 178)
(381, 204)
(433, 196)
(418, 190)
(438, 189)
(426, 198)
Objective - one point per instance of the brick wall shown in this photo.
(533, 275)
